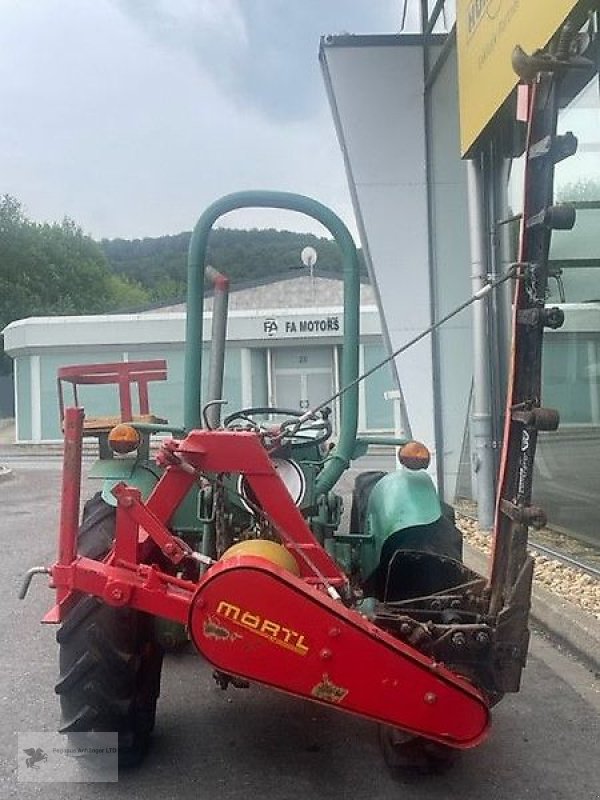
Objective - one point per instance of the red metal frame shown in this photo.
(249, 617)
(122, 373)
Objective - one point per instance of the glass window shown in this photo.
(567, 482)
(446, 17)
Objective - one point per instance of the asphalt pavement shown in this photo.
(212, 744)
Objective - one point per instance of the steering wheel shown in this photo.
(314, 431)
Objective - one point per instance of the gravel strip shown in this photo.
(568, 583)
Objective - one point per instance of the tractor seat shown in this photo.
(125, 375)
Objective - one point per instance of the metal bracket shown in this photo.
(536, 418)
(553, 318)
(557, 148)
(524, 515)
(560, 217)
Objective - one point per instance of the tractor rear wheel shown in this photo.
(110, 664)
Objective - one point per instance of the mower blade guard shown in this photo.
(250, 619)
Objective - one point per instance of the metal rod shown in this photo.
(217, 346)
(479, 295)
(29, 575)
(447, 48)
(594, 572)
(567, 560)
(193, 340)
(438, 425)
(481, 413)
(507, 254)
(434, 15)
(71, 490)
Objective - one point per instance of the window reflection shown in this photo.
(567, 483)
(446, 18)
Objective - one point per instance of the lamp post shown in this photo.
(308, 256)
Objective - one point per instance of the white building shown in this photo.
(283, 349)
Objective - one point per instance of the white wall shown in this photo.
(375, 88)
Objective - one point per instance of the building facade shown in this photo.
(283, 349)
(428, 129)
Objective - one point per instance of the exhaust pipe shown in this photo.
(212, 411)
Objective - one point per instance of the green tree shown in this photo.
(48, 269)
(244, 255)
(583, 190)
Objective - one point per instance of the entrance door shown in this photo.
(302, 377)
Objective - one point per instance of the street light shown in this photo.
(308, 256)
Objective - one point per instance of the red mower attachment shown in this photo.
(246, 615)
(252, 619)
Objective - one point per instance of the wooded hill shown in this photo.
(54, 268)
(159, 264)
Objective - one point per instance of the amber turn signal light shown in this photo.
(414, 455)
(123, 438)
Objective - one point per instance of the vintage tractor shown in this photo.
(231, 535)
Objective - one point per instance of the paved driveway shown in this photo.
(257, 743)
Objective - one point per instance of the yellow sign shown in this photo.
(487, 31)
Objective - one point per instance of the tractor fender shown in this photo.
(144, 476)
(141, 476)
(398, 501)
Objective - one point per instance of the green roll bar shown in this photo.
(340, 457)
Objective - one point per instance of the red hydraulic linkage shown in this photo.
(243, 452)
(71, 490)
(247, 616)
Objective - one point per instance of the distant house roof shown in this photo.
(286, 290)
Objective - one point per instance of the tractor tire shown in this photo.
(110, 664)
(405, 754)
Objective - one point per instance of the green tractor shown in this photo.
(249, 505)
(231, 535)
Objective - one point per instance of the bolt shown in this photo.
(455, 604)
(436, 605)
(117, 594)
(458, 639)
(325, 654)
(405, 628)
(482, 637)
(333, 632)
(430, 698)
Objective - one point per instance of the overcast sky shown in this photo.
(130, 116)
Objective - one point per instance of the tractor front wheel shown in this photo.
(110, 663)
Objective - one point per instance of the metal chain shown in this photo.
(221, 538)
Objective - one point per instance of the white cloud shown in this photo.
(132, 116)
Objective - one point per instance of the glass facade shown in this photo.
(567, 480)
(568, 476)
